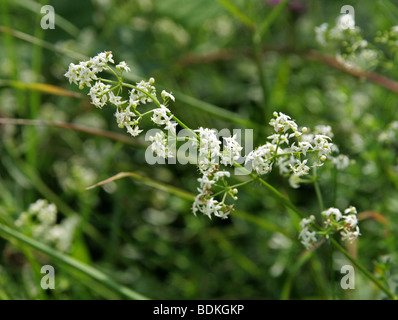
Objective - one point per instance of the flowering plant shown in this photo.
(292, 149)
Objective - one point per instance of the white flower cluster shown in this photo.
(388, 38)
(334, 221)
(40, 221)
(293, 150)
(306, 236)
(209, 156)
(390, 134)
(209, 149)
(205, 203)
(85, 72)
(346, 223)
(160, 145)
(353, 50)
(127, 115)
(231, 150)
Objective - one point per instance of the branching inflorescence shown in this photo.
(295, 151)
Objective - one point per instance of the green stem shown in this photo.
(241, 184)
(332, 273)
(35, 96)
(275, 193)
(11, 54)
(318, 190)
(363, 269)
(182, 124)
(258, 53)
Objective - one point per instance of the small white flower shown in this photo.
(332, 213)
(160, 145)
(166, 95)
(209, 149)
(351, 221)
(72, 74)
(304, 146)
(160, 116)
(85, 72)
(48, 214)
(209, 206)
(308, 238)
(294, 181)
(116, 100)
(145, 90)
(307, 221)
(134, 131)
(261, 158)
(123, 66)
(221, 174)
(345, 22)
(350, 210)
(320, 33)
(37, 206)
(206, 182)
(231, 150)
(350, 235)
(98, 94)
(124, 117)
(282, 122)
(300, 168)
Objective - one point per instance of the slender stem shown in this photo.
(182, 124)
(334, 183)
(364, 270)
(275, 193)
(332, 276)
(241, 184)
(318, 190)
(258, 52)
(113, 71)
(108, 81)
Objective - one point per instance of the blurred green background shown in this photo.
(138, 231)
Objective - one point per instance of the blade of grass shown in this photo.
(34, 96)
(271, 17)
(257, 40)
(45, 44)
(41, 87)
(89, 271)
(237, 13)
(11, 53)
(59, 20)
(242, 260)
(214, 110)
(287, 286)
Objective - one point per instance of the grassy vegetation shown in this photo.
(128, 231)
